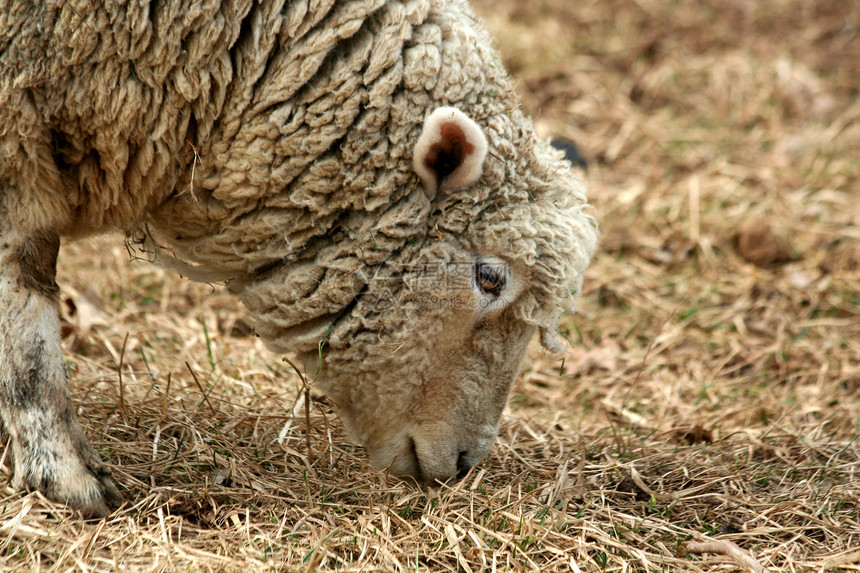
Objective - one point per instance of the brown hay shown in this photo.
(706, 399)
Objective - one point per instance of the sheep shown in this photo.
(358, 173)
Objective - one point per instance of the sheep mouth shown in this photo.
(413, 468)
(418, 474)
(407, 465)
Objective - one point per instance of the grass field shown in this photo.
(706, 417)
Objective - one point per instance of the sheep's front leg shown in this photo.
(51, 452)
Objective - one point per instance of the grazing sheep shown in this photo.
(357, 172)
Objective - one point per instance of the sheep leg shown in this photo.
(51, 452)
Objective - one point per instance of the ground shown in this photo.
(712, 387)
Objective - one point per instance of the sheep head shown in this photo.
(449, 352)
(428, 337)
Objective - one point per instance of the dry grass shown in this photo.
(713, 388)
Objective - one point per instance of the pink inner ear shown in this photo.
(445, 156)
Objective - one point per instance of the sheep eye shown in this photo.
(490, 279)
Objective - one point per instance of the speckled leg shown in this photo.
(52, 454)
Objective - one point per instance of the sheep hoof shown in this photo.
(93, 495)
(96, 492)
(80, 481)
(109, 498)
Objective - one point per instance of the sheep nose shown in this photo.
(432, 455)
(463, 465)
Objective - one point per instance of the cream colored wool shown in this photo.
(270, 146)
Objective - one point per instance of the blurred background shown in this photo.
(723, 148)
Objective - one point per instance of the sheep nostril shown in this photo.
(463, 465)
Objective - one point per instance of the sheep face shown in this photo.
(427, 397)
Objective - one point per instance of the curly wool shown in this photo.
(277, 156)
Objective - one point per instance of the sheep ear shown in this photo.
(450, 153)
